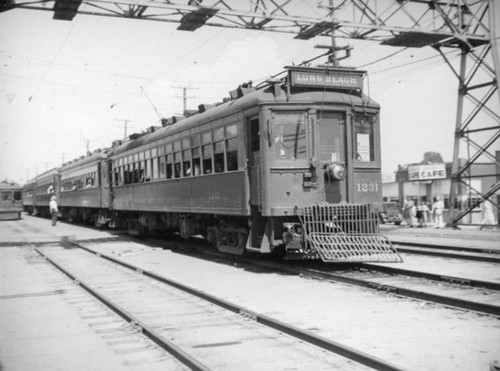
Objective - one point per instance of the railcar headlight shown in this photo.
(336, 171)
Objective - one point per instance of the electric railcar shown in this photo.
(293, 167)
(11, 204)
(38, 191)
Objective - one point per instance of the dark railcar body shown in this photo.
(46, 186)
(84, 189)
(247, 173)
(293, 167)
(29, 197)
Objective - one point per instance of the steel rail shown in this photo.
(164, 343)
(319, 341)
(442, 254)
(410, 293)
(435, 277)
(445, 247)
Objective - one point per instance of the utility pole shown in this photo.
(184, 95)
(125, 126)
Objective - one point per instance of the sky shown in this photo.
(66, 87)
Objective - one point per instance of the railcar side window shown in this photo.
(177, 164)
(219, 157)
(196, 154)
(168, 166)
(156, 174)
(364, 146)
(122, 175)
(147, 170)
(206, 141)
(116, 173)
(186, 162)
(289, 136)
(196, 161)
(232, 154)
(232, 147)
(177, 159)
(17, 196)
(207, 158)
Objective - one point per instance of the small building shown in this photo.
(425, 182)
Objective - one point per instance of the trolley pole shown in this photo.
(125, 126)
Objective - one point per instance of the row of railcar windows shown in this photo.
(214, 151)
(84, 178)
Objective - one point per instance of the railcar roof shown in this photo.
(46, 175)
(255, 98)
(4, 185)
(94, 157)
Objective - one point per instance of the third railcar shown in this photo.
(292, 167)
(11, 200)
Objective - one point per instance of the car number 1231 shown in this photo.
(367, 187)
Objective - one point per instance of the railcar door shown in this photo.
(254, 160)
(332, 149)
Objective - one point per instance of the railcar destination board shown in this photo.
(326, 78)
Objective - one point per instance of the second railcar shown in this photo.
(29, 197)
(84, 189)
(46, 186)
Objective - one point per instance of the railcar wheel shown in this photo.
(231, 239)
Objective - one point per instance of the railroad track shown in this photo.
(453, 291)
(452, 252)
(313, 316)
(202, 331)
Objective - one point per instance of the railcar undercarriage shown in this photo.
(338, 233)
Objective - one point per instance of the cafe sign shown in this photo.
(426, 172)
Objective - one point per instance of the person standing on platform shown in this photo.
(437, 211)
(420, 214)
(487, 216)
(406, 212)
(413, 213)
(53, 210)
(426, 211)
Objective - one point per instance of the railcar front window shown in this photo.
(364, 146)
(289, 137)
(330, 134)
(6, 196)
